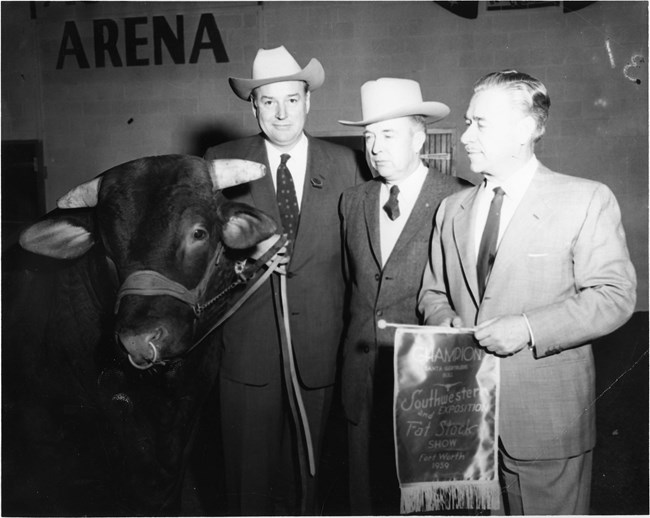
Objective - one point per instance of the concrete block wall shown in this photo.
(91, 119)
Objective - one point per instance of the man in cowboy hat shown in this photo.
(302, 191)
(386, 226)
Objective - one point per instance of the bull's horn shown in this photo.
(84, 195)
(233, 171)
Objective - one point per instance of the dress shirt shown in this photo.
(515, 188)
(409, 190)
(297, 164)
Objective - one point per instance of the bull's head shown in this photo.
(174, 242)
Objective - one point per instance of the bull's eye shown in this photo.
(200, 234)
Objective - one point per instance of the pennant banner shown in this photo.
(445, 418)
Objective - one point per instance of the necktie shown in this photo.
(287, 200)
(392, 205)
(488, 249)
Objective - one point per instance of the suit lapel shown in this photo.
(371, 213)
(419, 215)
(262, 190)
(463, 230)
(524, 226)
(317, 195)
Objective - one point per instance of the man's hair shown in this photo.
(530, 94)
(420, 122)
(253, 96)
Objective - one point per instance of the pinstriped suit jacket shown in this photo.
(315, 285)
(563, 260)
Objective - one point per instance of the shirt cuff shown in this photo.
(531, 343)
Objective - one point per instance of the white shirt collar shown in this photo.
(297, 164)
(515, 188)
(516, 185)
(298, 153)
(412, 182)
(409, 190)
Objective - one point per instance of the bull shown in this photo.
(104, 369)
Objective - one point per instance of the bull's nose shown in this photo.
(142, 348)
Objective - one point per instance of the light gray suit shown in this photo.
(563, 261)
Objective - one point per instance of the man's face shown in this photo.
(496, 133)
(281, 110)
(392, 147)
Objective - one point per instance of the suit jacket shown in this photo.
(563, 261)
(315, 283)
(376, 293)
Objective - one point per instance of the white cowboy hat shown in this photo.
(391, 98)
(274, 66)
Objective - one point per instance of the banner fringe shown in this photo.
(436, 496)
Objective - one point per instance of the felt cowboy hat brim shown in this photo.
(267, 63)
(434, 111)
(392, 98)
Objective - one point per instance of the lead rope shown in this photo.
(293, 387)
(272, 265)
(271, 258)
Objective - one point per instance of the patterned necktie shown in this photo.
(287, 200)
(392, 205)
(488, 249)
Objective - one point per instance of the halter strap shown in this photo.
(152, 283)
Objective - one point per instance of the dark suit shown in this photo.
(254, 412)
(376, 293)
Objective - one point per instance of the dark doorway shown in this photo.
(23, 185)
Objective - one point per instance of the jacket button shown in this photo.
(377, 276)
(366, 349)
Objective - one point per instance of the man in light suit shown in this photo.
(550, 273)
(386, 225)
(259, 440)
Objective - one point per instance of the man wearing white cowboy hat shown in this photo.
(386, 224)
(308, 176)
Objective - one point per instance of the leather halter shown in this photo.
(150, 283)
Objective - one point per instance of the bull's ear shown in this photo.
(59, 239)
(244, 226)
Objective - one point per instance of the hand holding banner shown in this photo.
(445, 417)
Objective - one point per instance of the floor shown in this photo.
(620, 476)
(620, 472)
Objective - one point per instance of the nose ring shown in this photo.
(150, 362)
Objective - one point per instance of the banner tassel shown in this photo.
(451, 495)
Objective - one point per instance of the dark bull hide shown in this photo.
(73, 399)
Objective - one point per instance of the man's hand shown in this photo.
(263, 246)
(283, 252)
(503, 336)
(281, 266)
(454, 321)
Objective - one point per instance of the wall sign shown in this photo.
(500, 6)
(124, 43)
